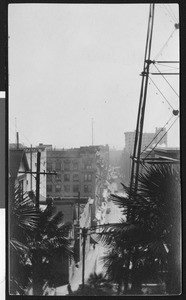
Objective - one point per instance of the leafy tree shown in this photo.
(148, 241)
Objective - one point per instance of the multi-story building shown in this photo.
(149, 140)
(80, 173)
(31, 154)
(31, 157)
(76, 172)
(18, 166)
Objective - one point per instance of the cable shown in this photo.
(161, 93)
(172, 12)
(167, 81)
(166, 66)
(157, 135)
(164, 45)
(160, 139)
(168, 70)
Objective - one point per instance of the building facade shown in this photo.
(31, 154)
(31, 158)
(76, 172)
(18, 166)
(149, 140)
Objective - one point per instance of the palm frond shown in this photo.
(24, 216)
(18, 246)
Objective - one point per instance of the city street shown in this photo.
(92, 261)
(92, 264)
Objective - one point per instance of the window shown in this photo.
(76, 188)
(49, 188)
(58, 188)
(58, 166)
(67, 177)
(88, 166)
(67, 166)
(75, 166)
(49, 166)
(50, 178)
(75, 177)
(87, 188)
(67, 188)
(58, 177)
(88, 177)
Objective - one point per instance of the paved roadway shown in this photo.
(92, 262)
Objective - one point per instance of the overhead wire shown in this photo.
(160, 92)
(171, 67)
(167, 81)
(161, 138)
(168, 70)
(171, 13)
(155, 58)
(156, 135)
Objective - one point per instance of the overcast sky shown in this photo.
(69, 63)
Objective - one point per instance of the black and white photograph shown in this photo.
(94, 184)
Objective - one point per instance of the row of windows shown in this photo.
(87, 188)
(58, 166)
(87, 177)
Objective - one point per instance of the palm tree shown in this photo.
(96, 285)
(49, 243)
(97, 280)
(36, 239)
(24, 218)
(149, 240)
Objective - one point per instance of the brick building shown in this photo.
(76, 172)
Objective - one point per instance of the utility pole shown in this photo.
(92, 133)
(142, 104)
(17, 139)
(84, 236)
(31, 166)
(38, 173)
(78, 207)
(38, 178)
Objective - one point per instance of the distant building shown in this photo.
(44, 146)
(168, 155)
(31, 154)
(76, 171)
(16, 146)
(18, 166)
(149, 140)
(115, 157)
(79, 171)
